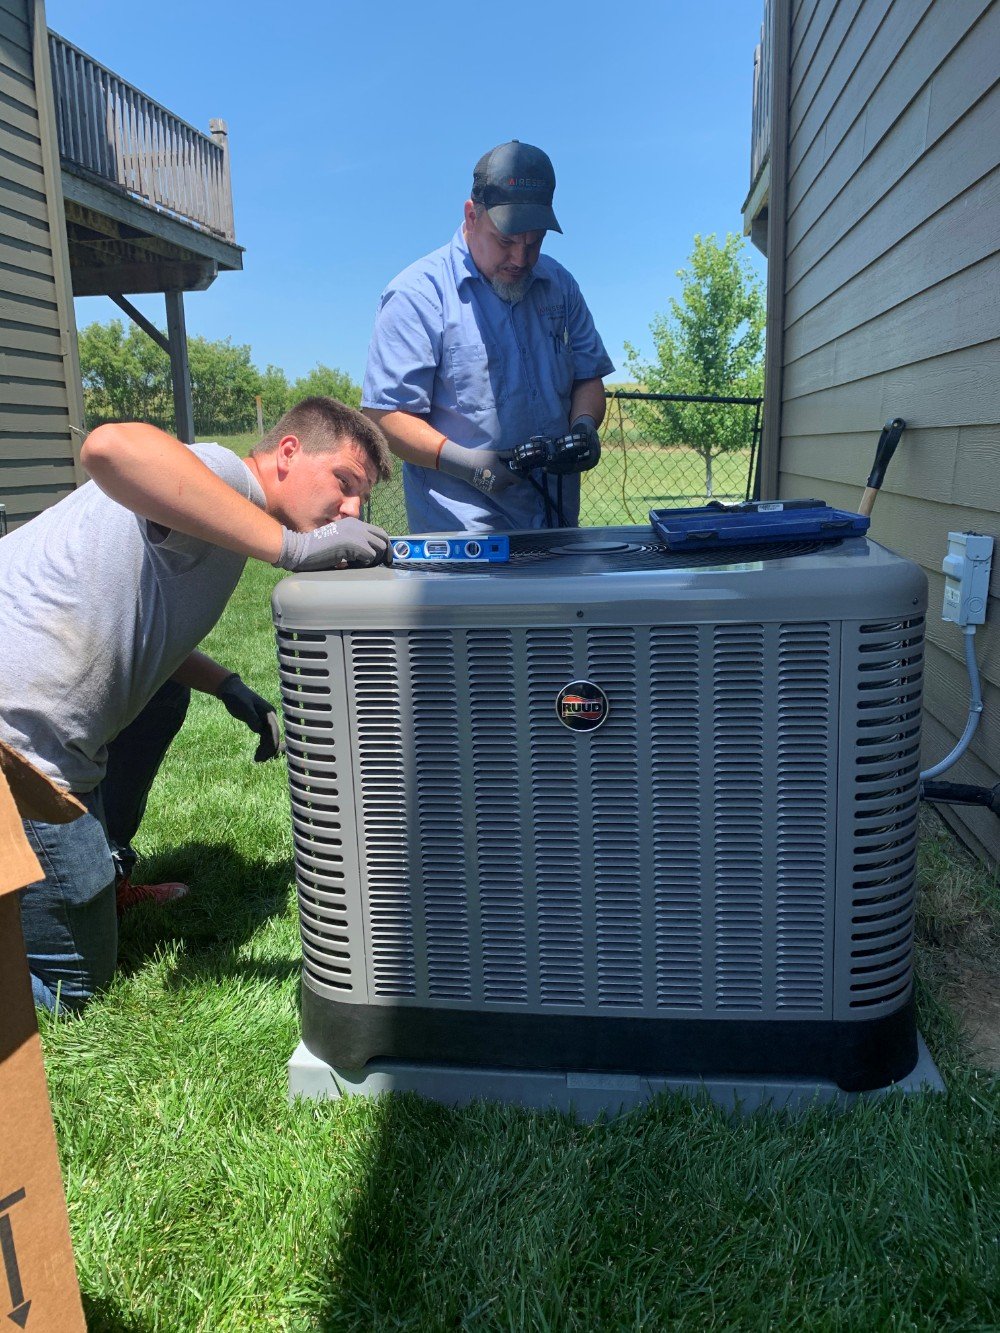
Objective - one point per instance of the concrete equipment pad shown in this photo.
(587, 1095)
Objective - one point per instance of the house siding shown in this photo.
(39, 379)
(892, 304)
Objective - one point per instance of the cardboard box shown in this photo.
(38, 1287)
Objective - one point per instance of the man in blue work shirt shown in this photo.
(478, 347)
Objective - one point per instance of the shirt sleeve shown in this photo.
(233, 471)
(590, 359)
(404, 354)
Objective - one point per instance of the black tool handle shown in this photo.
(884, 451)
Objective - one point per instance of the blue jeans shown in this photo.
(69, 918)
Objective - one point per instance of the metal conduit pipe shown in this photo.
(975, 709)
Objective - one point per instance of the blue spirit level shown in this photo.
(486, 549)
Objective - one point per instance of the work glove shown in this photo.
(254, 712)
(584, 432)
(486, 469)
(347, 540)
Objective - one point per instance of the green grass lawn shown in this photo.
(200, 1199)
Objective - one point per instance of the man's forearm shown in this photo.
(587, 400)
(411, 438)
(160, 479)
(415, 440)
(201, 672)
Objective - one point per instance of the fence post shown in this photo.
(260, 413)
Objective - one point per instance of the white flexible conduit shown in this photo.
(975, 708)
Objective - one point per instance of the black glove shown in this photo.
(255, 712)
(584, 432)
(348, 539)
(486, 469)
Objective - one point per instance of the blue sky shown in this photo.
(354, 130)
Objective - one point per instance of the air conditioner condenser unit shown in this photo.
(607, 812)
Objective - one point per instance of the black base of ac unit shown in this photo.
(858, 1055)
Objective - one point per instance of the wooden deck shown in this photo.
(760, 136)
(755, 206)
(103, 192)
(148, 198)
(113, 133)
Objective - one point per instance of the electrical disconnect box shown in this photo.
(966, 568)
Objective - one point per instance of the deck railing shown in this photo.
(113, 131)
(760, 138)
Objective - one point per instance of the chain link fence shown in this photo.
(639, 470)
(156, 409)
(642, 467)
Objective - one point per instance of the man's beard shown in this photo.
(511, 292)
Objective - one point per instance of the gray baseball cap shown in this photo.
(515, 183)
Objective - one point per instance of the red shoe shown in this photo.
(130, 895)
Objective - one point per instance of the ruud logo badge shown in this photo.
(582, 706)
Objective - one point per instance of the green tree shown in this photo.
(224, 384)
(126, 377)
(711, 342)
(329, 382)
(275, 394)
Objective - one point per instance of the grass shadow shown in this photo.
(492, 1217)
(433, 1175)
(103, 1315)
(231, 898)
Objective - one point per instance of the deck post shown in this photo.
(180, 373)
(220, 134)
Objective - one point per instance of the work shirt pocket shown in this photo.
(559, 350)
(468, 365)
(563, 369)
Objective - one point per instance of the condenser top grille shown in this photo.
(609, 575)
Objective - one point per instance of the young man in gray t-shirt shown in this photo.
(103, 600)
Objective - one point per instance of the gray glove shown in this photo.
(348, 539)
(584, 430)
(486, 469)
(255, 712)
